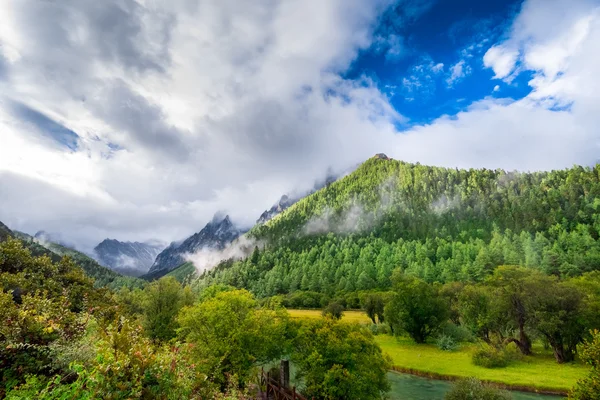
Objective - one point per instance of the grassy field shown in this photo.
(539, 371)
(349, 316)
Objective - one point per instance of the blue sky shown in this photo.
(433, 33)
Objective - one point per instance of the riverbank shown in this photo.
(539, 373)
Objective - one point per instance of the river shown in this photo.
(411, 387)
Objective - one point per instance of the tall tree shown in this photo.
(416, 307)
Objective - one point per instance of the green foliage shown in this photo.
(458, 333)
(380, 329)
(41, 303)
(415, 308)
(491, 357)
(446, 343)
(373, 304)
(231, 335)
(473, 389)
(161, 302)
(339, 361)
(589, 388)
(334, 310)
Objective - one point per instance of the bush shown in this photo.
(491, 357)
(459, 333)
(474, 389)
(446, 343)
(380, 329)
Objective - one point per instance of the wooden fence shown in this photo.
(274, 390)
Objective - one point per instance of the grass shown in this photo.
(349, 316)
(540, 372)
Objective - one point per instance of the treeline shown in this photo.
(61, 337)
(344, 264)
(438, 224)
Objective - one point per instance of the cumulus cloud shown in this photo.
(502, 60)
(183, 108)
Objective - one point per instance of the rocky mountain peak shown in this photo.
(217, 234)
(381, 156)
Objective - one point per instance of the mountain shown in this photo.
(287, 201)
(127, 258)
(439, 224)
(5, 232)
(279, 207)
(217, 234)
(43, 236)
(103, 277)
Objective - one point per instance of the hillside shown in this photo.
(439, 224)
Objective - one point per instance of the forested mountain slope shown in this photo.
(439, 224)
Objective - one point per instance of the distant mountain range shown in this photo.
(128, 258)
(41, 246)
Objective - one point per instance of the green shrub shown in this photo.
(380, 329)
(459, 333)
(474, 389)
(446, 343)
(491, 357)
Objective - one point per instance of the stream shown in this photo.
(411, 387)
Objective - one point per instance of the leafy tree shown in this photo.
(231, 335)
(334, 310)
(514, 289)
(558, 314)
(339, 361)
(589, 388)
(415, 308)
(373, 304)
(480, 311)
(162, 301)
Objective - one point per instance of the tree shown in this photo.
(480, 312)
(514, 287)
(334, 310)
(231, 335)
(589, 387)
(415, 308)
(557, 312)
(339, 361)
(373, 304)
(162, 301)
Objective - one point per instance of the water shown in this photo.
(411, 387)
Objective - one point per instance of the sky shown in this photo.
(139, 119)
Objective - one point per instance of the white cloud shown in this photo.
(496, 88)
(502, 60)
(458, 71)
(185, 108)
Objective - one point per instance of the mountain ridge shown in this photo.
(127, 258)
